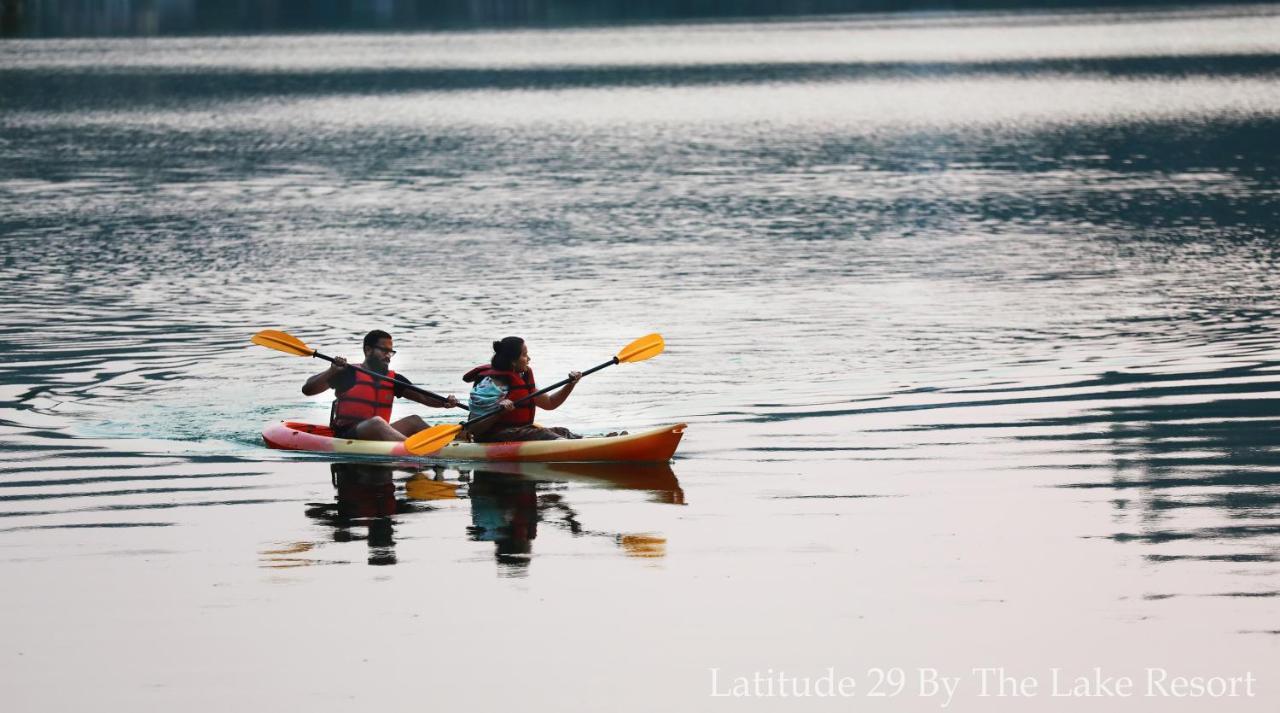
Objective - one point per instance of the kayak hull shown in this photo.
(655, 445)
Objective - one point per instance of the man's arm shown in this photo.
(401, 379)
(321, 382)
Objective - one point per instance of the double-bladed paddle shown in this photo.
(437, 437)
(289, 344)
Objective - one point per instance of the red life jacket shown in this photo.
(519, 386)
(366, 398)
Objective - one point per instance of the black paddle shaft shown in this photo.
(539, 392)
(384, 377)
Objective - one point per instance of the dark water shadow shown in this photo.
(147, 18)
(48, 89)
(1216, 461)
(1240, 407)
(1190, 459)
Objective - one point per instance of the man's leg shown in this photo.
(375, 429)
(409, 425)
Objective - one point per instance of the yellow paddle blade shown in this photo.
(282, 342)
(645, 347)
(433, 439)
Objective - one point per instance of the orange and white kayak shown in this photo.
(655, 445)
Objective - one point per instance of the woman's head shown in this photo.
(510, 354)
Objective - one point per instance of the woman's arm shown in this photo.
(549, 402)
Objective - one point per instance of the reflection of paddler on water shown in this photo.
(504, 511)
(509, 500)
(365, 495)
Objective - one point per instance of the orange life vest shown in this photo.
(519, 386)
(367, 397)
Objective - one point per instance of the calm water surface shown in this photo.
(973, 319)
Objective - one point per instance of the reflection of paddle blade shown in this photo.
(646, 347)
(294, 549)
(281, 558)
(282, 342)
(643, 545)
(420, 487)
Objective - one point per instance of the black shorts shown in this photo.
(345, 430)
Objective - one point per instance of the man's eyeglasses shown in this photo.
(388, 352)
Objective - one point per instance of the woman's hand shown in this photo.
(451, 401)
(506, 404)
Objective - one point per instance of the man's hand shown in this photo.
(339, 365)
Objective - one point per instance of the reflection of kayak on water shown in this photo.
(655, 445)
(657, 478)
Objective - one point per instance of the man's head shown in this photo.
(377, 349)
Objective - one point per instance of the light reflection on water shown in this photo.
(891, 39)
(966, 350)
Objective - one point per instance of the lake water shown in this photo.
(972, 318)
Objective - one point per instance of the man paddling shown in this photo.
(362, 404)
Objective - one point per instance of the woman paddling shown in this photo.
(498, 385)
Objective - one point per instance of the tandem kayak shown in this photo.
(652, 446)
